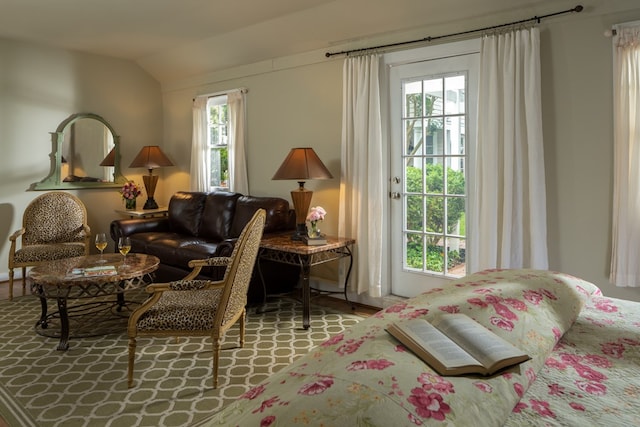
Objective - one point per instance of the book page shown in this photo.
(480, 342)
(437, 343)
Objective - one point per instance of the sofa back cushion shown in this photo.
(277, 213)
(185, 212)
(217, 217)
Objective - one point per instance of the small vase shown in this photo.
(314, 231)
(130, 204)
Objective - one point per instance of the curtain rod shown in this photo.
(222, 93)
(578, 8)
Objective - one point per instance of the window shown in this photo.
(218, 142)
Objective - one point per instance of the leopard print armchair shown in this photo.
(205, 308)
(54, 226)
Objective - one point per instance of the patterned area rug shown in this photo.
(87, 386)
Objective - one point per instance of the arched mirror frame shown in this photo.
(55, 180)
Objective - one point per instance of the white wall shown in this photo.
(39, 88)
(296, 101)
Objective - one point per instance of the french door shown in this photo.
(433, 109)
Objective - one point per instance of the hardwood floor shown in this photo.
(326, 301)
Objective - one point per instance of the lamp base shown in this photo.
(300, 233)
(150, 204)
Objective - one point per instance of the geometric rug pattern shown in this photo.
(87, 384)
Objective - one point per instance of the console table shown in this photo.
(57, 280)
(281, 248)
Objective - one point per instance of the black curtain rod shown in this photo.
(578, 8)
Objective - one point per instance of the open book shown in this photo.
(455, 344)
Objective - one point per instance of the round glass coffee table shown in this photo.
(83, 288)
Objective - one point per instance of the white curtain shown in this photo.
(508, 202)
(199, 158)
(238, 179)
(361, 185)
(625, 257)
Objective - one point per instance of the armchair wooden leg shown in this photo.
(10, 284)
(217, 342)
(24, 280)
(243, 319)
(132, 356)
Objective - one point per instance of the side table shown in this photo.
(281, 248)
(144, 213)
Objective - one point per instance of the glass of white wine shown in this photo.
(101, 244)
(124, 246)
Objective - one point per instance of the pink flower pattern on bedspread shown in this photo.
(364, 377)
(593, 373)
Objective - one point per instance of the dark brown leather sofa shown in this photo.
(203, 225)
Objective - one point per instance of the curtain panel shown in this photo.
(361, 183)
(625, 268)
(238, 179)
(199, 178)
(508, 226)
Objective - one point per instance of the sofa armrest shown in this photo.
(127, 227)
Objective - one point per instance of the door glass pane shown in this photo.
(456, 254)
(454, 95)
(413, 137)
(414, 255)
(434, 139)
(415, 213)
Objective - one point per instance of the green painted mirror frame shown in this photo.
(65, 151)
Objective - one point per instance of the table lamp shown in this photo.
(110, 160)
(150, 157)
(302, 164)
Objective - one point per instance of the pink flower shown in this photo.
(501, 323)
(613, 349)
(556, 389)
(350, 346)
(130, 190)
(519, 407)
(316, 387)
(266, 404)
(267, 421)
(519, 389)
(253, 393)
(428, 405)
(378, 364)
(317, 213)
(533, 297)
(577, 406)
(333, 340)
(485, 387)
(450, 309)
(435, 382)
(606, 306)
(592, 387)
(542, 408)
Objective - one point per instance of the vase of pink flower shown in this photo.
(316, 214)
(130, 191)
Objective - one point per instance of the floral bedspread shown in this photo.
(592, 378)
(365, 377)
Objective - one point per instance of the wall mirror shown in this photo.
(86, 154)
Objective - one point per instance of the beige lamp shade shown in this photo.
(150, 157)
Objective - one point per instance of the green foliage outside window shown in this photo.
(434, 219)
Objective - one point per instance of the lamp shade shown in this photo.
(110, 160)
(302, 164)
(150, 157)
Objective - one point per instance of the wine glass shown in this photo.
(101, 244)
(124, 246)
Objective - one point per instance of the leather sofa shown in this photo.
(202, 225)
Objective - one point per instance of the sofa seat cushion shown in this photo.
(173, 249)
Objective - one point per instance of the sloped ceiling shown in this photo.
(177, 39)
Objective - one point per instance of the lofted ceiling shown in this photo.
(177, 39)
